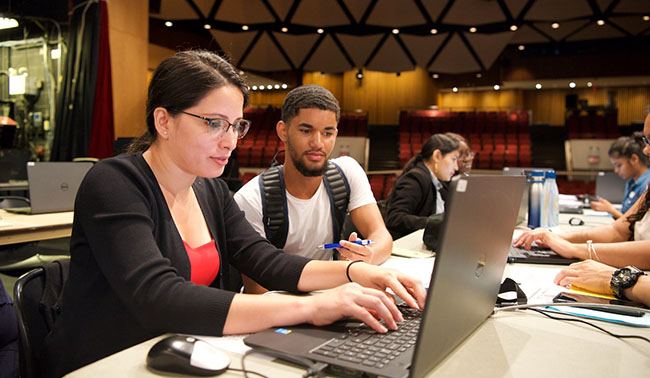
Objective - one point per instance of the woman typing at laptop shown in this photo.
(154, 237)
(624, 242)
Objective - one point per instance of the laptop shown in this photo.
(52, 186)
(610, 186)
(476, 233)
(537, 255)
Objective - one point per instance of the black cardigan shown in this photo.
(129, 271)
(411, 201)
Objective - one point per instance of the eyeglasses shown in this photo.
(217, 126)
(645, 140)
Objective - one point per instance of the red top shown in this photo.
(204, 262)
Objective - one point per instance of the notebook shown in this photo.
(476, 233)
(610, 186)
(52, 186)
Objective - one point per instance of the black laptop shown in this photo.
(475, 237)
(537, 255)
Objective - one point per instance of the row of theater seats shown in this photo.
(592, 126)
(261, 143)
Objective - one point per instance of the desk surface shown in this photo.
(508, 344)
(20, 228)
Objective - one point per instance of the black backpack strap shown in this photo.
(51, 304)
(338, 190)
(275, 213)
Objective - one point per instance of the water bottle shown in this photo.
(535, 198)
(552, 198)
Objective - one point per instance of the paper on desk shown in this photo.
(5, 223)
(536, 282)
(595, 213)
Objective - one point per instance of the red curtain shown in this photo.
(102, 134)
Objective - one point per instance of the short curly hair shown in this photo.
(307, 97)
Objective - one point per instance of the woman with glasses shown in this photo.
(419, 191)
(626, 154)
(155, 235)
(624, 242)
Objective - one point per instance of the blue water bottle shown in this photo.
(535, 198)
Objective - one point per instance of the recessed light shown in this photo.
(284, 29)
(254, 87)
(521, 47)
(513, 27)
(538, 86)
(395, 31)
(241, 72)
(169, 24)
(435, 31)
(555, 25)
(207, 26)
(646, 18)
(472, 29)
(244, 27)
(496, 87)
(572, 85)
(320, 31)
(479, 75)
(454, 89)
(435, 76)
(284, 86)
(590, 84)
(262, 88)
(276, 86)
(600, 22)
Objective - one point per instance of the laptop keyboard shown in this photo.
(534, 251)
(365, 346)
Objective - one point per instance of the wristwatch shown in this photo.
(624, 278)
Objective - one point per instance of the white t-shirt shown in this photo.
(642, 227)
(310, 220)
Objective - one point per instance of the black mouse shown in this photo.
(187, 355)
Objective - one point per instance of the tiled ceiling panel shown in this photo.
(455, 58)
(328, 58)
(474, 12)
(296, 46)
(359, 48)
(357, 8)
(265, 57)
(593, 31)
(632, 24)
(526, 34)
(565, 29)
(423, 48)
(633, 6)
(489, 46)
(395, 13)
(176, 10)
(319, 13)
(391, 58)
(234, 44)
(553, 10)
(243, 12)
(515, 6)
(281, 7)
(434, 8)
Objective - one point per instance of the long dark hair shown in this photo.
(181, 81)
(626, 146)
(437, 142)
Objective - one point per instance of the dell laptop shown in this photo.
(476, 234)
(610, 186)
(52, 186)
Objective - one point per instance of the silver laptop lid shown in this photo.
(53, 185)
(479, 221)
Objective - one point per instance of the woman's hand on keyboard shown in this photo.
(409, 288)
(545, 238)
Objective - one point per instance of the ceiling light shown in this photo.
(555, 25)
(169, 24)
(513, 27)
(496, 87)
(395, 31)
(590, 84)
(207, 26)
(572, 85)
(479, 75)
(284, 29)
(454, 89)
(320, 31)
(435, 76)
(8, 23)
(600, 22)
(284, 86)
(254, 87)
(244, 27)
(538, 86)
(521, 47)
(261, 87)
(472, 29)
(276, 86)
(646, 18)
(435, 31)
(359, 75)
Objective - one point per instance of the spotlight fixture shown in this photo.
(284, 29)
(398, 74)
(590, 84)
(395, 31)
(320, 31)
(435, 31)
(513, 27)
(261, 87)
(521, 47)
(284, 86)
(254, 87)
(538, 86)
(207, 26)
(241, 73)
(472, 29)
(454, 89)
(8, 23)
(479, 75)
(600, 22)
(244, 27)
(435, 76)
(572, 85)
(497, 87)
(646, 18)
(359, 74)
(555, 25)
(169, 24)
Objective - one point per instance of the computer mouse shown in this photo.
(187, 355)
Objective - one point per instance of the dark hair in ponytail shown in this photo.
(627, 146)
(437, 142)
(181, 81)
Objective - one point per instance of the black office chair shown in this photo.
(37, 298)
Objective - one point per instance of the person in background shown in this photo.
(599, 278)
(466, 157)
(624, 242)
(155, 234)
(418, 192)
(629, 161)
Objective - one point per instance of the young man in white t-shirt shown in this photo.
(308, 128)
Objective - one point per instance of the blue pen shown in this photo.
(337, 245)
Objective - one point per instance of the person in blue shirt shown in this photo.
(626, 154)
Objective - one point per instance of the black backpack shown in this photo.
(275, 214)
